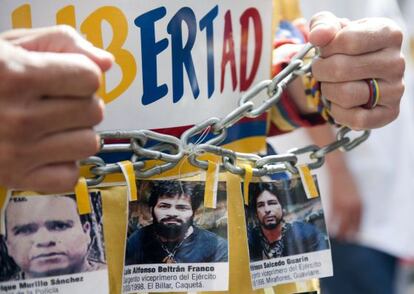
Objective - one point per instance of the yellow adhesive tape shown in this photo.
(308, 182)
(247, 179)
(210, 191)
(82, 197)
(129, 174)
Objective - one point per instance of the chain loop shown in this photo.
(352, 143)
(95, 162)
(169, 150)
(317, 162)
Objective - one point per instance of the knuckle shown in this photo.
(350, 45)
(399, 66)
(346, 94)
(90, 143)
(9, 153)
(19, 122)
(65, 31)
(337, 67)
(69, 177)
(96, 112)
(360, 121)
(90, 73)
(64, 179)
(396, 35)
(394, 113)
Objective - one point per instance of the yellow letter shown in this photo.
(66, 16)
(22, 17)
(91, 27)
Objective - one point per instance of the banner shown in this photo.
(177, 62)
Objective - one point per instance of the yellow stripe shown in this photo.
(210, 190)
(377, 91)
(278, 120)
(308, 182)
(290, 9)
(82, 197)
(129, 174)
(247, 179)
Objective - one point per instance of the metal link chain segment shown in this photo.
(171, 150)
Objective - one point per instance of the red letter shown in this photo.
(228, 54)
(253, 14)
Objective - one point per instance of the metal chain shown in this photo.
(170, 150)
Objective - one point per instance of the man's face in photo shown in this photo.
(173, 215)
(45, 236)
(269, 210)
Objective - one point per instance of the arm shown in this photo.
(345, 200)
(48, 108)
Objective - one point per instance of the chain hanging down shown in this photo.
(171, 150)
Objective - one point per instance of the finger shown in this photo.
(60, 114)
(62, 39)
(50, 115)
(13, 34)
(357, 93)
(363, 36)
(323, 28)
(62, 74)
(64, 147)
(358, 118)
(385, 64)
(53, 178)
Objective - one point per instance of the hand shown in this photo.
(352, 51)
(345, 206)
(47, 107)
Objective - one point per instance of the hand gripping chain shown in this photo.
(170, 150)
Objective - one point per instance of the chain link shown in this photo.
(170, 150)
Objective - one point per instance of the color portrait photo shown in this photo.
(282, 221)
(169, 224)
(44, 237)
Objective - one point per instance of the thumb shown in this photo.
(323, 28)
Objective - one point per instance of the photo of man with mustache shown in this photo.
(173, 237)
(45, 237)
(274, 236)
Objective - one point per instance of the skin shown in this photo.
(45, 236)
(175, 210)
(352, 51)
(47, 106)
(270, 214)
(47, 125)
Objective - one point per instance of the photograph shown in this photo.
(169, 224)
(46, 237)
(282, 221)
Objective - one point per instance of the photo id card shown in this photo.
(287, 234)
(174, 242)
(47, 247)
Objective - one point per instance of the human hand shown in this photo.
(345, 206)
(47, 107)
(350, 52)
